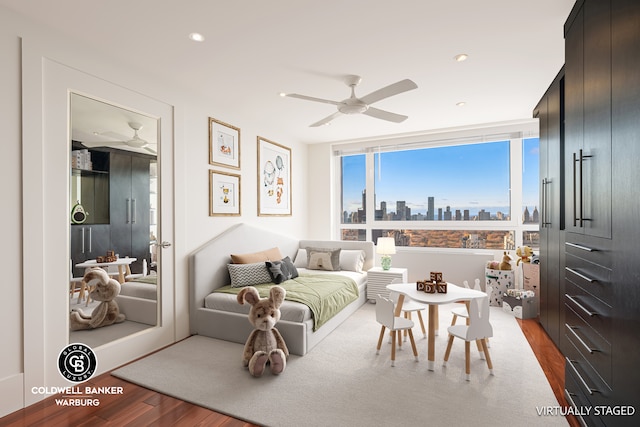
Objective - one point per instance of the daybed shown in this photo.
(218, 315)
(138, 300)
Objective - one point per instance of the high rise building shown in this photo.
(430, 211)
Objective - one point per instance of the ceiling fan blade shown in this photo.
(151, 150)
(94, 144)
(385, 115)
(391, 90)
(326, 119)
(310, 98)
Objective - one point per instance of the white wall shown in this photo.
(193, 226)
(11, 366)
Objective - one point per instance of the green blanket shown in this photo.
(324, 294)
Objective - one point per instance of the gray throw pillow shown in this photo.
(281, 270)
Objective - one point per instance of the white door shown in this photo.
(46, 225)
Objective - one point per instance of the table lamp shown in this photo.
(386, 246)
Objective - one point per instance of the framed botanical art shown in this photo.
(224, 144)
(224, 194)
(274, 178)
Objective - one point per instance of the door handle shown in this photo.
(164, 244)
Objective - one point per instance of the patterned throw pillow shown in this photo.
(281, 270)
(323, 259)
(248, 274)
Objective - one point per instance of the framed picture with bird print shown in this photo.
(274, 178)
(224, 144)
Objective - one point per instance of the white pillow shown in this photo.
(352, 260)
(301, 259)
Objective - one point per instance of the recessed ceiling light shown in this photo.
(196, 37)
(461, 104)
(461, 57)
(283, 94)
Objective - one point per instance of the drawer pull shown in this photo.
(574, 333)
(582, 276)
(569, 397)
(581, 247)
(580, 306)
(577, 374)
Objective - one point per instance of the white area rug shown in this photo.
(342, 382)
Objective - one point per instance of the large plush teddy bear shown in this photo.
(107, 312)
(265, 344)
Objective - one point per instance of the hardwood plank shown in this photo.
(142, 407)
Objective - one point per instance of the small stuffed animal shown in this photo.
(107, 312)
(506, 262)
(524, 254)
(265, 344)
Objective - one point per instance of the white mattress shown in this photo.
(289, 310)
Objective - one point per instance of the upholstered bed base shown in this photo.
(138, 302)
(208, 271)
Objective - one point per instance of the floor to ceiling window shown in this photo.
(470, 194)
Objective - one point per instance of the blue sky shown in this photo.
(472, 176)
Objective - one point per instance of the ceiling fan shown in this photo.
(134, 142)
(355, 105)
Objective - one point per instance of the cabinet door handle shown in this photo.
(580, 340)
(134, 215)
(83, 248)
(575, 196)
(581, 247)
(580, 306)
(582, 218)
(582, 276)
(577, 374)
(128, 211)
(545, 202)
(90, 240)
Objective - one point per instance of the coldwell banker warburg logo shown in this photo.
(77, 362)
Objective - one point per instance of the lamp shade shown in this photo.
(386, 246)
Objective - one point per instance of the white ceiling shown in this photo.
(255, 49)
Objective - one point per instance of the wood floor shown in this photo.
(143, 407)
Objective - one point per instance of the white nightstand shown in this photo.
(378, 279)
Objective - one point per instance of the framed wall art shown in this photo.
(224, 144)
(224, 194)
(274, 178)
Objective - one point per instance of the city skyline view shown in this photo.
(473, 177)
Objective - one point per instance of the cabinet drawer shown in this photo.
(595, 313)
(580, 402)
(597, 251)
(591, 277)
(595, 349)
(586, 379)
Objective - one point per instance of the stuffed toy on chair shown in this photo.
(107, 312)
(265, 344)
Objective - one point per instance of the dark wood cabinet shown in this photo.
(625, 123)
(116, 194)
(601, 301)
(550, 112)
(87, 242)
(130, 206)
(588, 119)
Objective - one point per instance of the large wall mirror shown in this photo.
(113, 215)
